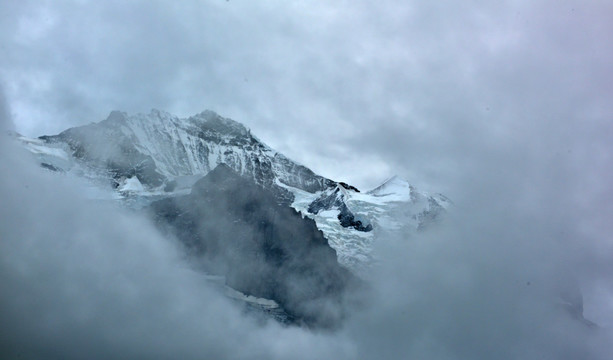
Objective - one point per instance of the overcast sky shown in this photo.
(356, 90)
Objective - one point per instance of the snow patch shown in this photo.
(132, 185)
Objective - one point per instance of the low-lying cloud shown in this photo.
(83, 279)
(503, 107)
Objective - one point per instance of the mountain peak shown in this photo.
(210, 120)
(160, 113)
(393, 185)
(208, 114)
(116, 116)
(158, 147)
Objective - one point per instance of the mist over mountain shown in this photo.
(236, 229)
(144, 157)
(503, 107)
(271, 227)
(440, 288)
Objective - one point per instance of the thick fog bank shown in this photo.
(472, 290)
(521, 266)
(500, 278)
(88, 280)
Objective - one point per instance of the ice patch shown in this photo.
(132, 185)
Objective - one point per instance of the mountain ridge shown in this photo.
(150, 156)
(159, 146)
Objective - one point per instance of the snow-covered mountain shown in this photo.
(158, 147)
(395, 207)
(159, 155)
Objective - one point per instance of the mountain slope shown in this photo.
(158, 147)
(238, 230)
(392, 209)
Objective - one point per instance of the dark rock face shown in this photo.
(238, 229)
(347, 219)
(348, 187)
(336, 200)
(326, 201)
(50, 167)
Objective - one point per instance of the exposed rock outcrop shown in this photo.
(237, 229)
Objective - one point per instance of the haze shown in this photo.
(505, 108)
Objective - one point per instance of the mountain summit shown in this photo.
(145, 157)
(157, 147)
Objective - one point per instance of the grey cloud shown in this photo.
(282, 68)
(6, 122)
(89, 279)
(86, 279)
(504, 107)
